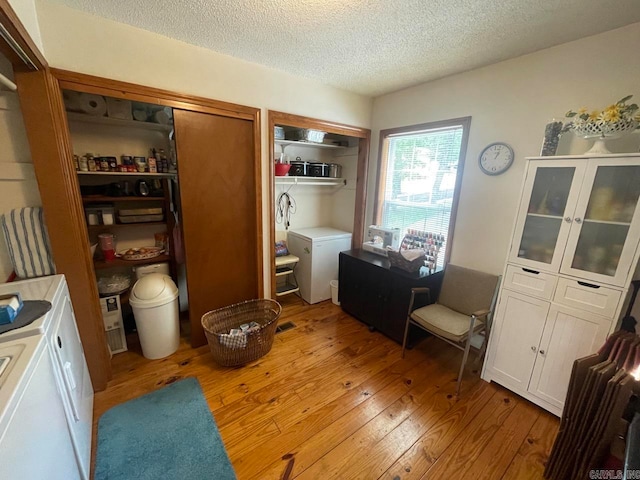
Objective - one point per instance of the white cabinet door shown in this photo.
(550, 194)
(606, 225)
(569, 334)
(515, 336)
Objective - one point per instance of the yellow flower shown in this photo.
(594, 115)
(582, 110)
(613, 109)
(611, 114)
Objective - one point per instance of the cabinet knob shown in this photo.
(534, 349)
(567, 219)
(541, 352)
(578, 220)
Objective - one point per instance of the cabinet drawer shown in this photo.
(531, 282)
(587, 296)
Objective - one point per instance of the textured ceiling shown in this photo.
(370, 46)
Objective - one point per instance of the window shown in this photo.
(419, 178)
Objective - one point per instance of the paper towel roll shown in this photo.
(71, 100)
(92, 104)
(161, 117)
(140, 115)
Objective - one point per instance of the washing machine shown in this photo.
(63, 345)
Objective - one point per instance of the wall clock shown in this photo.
(496, 158)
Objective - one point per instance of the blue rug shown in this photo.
(165, 435)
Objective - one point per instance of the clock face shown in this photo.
(496, 158)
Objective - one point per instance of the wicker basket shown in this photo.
(398, 261)
(255, 344)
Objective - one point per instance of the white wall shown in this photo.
(18, 187)
(26, 11)
(512, 101)
(85, 43)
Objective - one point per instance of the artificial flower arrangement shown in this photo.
(614, 120)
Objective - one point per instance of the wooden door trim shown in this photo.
(324, 125)
(131, 91)
(43, 112)
(364, 134)
(61, 79)
(14, 27)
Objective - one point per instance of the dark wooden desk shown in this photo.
(379, 295)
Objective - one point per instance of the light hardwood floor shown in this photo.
(333, 400)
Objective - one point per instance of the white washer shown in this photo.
(66, 354)
(318, 249)
(34, 435)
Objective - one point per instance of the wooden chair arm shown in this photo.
(481, 313)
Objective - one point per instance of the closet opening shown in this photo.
(319, 173)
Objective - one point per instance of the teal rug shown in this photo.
(165, 435)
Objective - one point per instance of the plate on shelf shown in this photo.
(141, 253)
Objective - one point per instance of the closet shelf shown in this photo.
(106, 199)
(297, 143)
(117, 122)
(130, 174)
(94, 228)
(322, 181)
(118, 262)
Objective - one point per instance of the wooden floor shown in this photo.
(333, 400)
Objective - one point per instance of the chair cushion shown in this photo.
(467, 291)
(444, 322)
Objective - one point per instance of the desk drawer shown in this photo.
(587, 296)
(530, 282)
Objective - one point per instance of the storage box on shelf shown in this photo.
(573, 253)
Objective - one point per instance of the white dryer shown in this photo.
(64, 347)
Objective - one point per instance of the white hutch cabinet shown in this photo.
(573, 253)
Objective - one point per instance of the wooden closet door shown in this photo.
(219, 203)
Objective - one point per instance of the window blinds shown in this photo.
(421, 173)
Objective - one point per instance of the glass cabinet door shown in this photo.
(549, 199)
(605, 232)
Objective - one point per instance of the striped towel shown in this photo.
(26, 235)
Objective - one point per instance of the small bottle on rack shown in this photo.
(91, 163)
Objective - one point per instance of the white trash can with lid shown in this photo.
(154, 300)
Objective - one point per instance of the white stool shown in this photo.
(285, 268)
